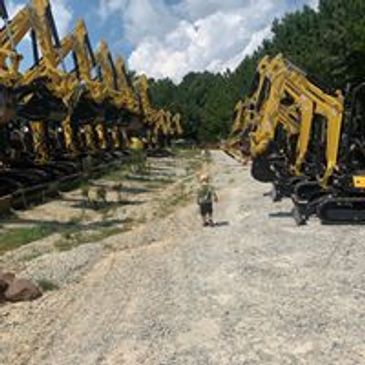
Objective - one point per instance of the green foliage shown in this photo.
(47, 285)
(17, 237)
(74, 238)
(328, 43)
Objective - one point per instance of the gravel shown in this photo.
(254, 290)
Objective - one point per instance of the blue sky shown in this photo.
(172, 37)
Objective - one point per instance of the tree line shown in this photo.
(328, 43)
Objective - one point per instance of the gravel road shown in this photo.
(254, 290)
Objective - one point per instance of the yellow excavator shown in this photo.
(30, 100)
(50, 116)
(237, 144)
(176, 129)
(107, 77)
(297, 134)
(155, 120)
(285, 107)
(134, 131)
(142, 88)
(39, 95)
(171, 128)
(160, 124)
(115, 102)
(46, 94)
(125, 86)
(124, 109)
(90, 103)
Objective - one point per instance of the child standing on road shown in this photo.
(205, 199)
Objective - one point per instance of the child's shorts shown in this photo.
(206, 208)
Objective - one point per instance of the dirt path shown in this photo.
(255, 290)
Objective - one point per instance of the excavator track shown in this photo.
(346, 210)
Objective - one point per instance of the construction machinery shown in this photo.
(90, 102)
(36, 97)
(158, 122)
(298, 130)
(124, 115)
(52, 118)
(149, 113)
(132, 109)
(237, 144)
(335, 191)
(176, 129)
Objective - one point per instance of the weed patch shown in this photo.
(73, 239)
(180, 197)
(17, 237)
(47, 285)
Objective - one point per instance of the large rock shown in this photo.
(3, 286)
(7, 277)
(21, 290)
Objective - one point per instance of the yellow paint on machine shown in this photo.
(359, 182)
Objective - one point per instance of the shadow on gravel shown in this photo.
(221, 224)
(134, 190)
(57, 226)
(121, 189)
(281, 215)
(105, 206)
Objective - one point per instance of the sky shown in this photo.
(169, 38)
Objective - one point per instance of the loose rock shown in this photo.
(22, 290)
(7, 277)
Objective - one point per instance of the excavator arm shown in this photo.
(34, 95)
(141, 85)
(289, 100)
(155, 120)
(308, 140)
(11, 34)
(177, 125)
(130, 99)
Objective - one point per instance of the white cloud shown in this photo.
(63, 16)
(255, 41)
(314, 4)
(61, 11)
(14, 8)
(140, 18)
(194, 35)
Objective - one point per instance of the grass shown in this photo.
(73, 239)
(71, 236)
(116, 175)
(18, 237)
(136, 163)
(47, 285)
(169, 205)
(32, 256)
(187, 153)
(14, 238)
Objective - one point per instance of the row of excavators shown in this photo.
(52, 118)
(306, 139)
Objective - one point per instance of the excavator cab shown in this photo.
(353, 139)
(351, 165)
